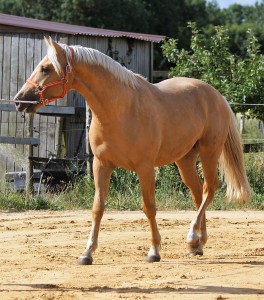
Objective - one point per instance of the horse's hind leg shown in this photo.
(209, 163)
(102, 174)
(189, 175)
(147, 181)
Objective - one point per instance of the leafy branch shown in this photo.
(239, 79)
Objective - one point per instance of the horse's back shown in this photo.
(186, 89)
(191, 98)
(190, 111)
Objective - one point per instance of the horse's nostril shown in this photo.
(16, 100)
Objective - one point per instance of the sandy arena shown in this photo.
(39, 252)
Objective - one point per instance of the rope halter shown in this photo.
(41, 88)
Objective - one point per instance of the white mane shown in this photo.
(93, 56)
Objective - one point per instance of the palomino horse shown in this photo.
(139, 126)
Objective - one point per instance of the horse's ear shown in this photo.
(51, 41)
(56, 47)
(46, 41)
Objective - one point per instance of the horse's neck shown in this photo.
(106, 96)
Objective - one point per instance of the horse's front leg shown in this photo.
(102, 174)
(147, 181)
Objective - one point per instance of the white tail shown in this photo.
(231, 165)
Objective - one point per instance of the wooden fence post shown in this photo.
(29, 169)
(242, 124)
(58, 136)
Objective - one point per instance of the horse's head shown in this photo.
(48, 82)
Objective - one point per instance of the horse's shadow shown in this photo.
(192, 289)
(251, 262)
(180, 288)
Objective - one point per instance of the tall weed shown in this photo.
(125, 193)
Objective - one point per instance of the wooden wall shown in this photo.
(134, 54)
(19, 55)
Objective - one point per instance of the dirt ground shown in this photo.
(39, 252)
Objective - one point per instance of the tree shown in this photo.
(239, 19)
(214, 14)
(46, 10)
(166, 17)
(239, 79)
(127, 15)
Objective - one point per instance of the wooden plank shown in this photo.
(58, 136)
(12, 122)
(38, 55)
(6, 66)
(69, 137)
(1, 63)
(52, 110)
(43, 137)
(51, 125)
(7, 107)
(42, 151)
(21, 80)
(22, 60)
(14, 65)
(37, 49)
(30, 55)
(29, 168)
(19, 140)
(6, 81)
(29, 66)
(1, 74)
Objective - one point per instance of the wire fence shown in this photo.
(246, 104)
(231, 103)
(46, 127)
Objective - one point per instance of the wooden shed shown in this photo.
(60, 133)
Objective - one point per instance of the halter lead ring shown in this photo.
(64, 81)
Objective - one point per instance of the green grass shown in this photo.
(125, 194)
(252, 131)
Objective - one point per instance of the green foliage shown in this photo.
(125, 192)
(13, 201)
(238, 18)
(152, 16)
(79, 193)
(167, 17)
(112, 14)
(255, 170)
(240, 80)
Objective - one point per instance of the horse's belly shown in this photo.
(171, 153)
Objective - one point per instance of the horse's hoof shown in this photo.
(152, 258)
(195, 248)
(196, 253)
(84, 260)
(199, 252)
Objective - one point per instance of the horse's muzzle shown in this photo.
(26, 102)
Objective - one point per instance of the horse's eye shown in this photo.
(45, 70)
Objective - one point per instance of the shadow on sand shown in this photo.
(193, 289)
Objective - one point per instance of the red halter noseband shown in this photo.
(41, 88)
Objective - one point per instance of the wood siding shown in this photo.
(19, 55)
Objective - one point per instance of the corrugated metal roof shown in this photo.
(23, 22)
